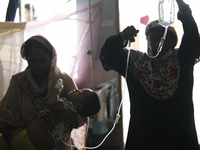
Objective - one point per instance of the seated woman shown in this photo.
(29, 90)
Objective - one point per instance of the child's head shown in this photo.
(86, 102)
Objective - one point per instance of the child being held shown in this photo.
(59, 117)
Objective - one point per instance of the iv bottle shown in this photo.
(166, 12)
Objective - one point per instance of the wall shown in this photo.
(109, 27)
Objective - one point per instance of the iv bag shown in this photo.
(166, 12)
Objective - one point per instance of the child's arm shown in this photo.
(53, 100)
(40, 136)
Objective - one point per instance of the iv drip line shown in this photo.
(117, 115)
(160, 44)
(126, 72)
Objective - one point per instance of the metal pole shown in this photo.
(91, 42)
(120, 84)
(20, 11)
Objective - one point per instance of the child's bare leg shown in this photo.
(39, 138)
(44, 137)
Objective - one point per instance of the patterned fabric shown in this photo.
(63, 129)
(78, 135)
(82, 137)
(158, 79)
(24, 97)
(68, 105)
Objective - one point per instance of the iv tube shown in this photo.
(160, 44)
(117, 116)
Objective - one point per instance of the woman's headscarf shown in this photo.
(156, 25)
(53, 69)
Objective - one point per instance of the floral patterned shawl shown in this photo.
(24, 98)
(159, 78)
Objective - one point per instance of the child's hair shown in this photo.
(91, 105)
(29, 7)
